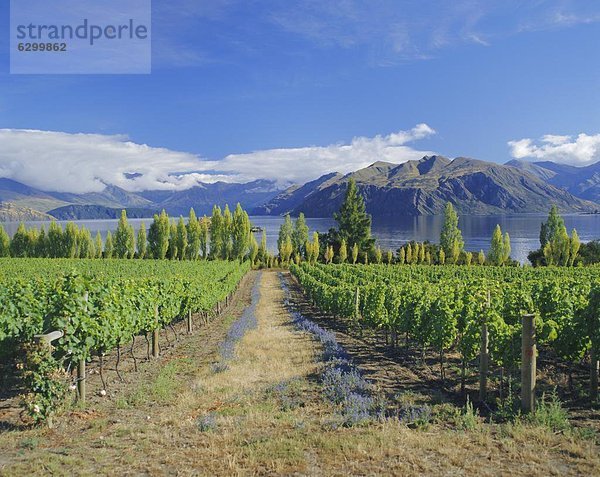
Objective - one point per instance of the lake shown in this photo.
(477, 231)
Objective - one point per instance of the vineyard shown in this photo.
(475, 312)
(101, 305)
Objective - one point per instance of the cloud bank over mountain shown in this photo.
(581, 150)
(80, 163)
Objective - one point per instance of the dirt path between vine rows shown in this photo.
(263, 414)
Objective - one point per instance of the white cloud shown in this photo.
(79, 163)
(306, 163)
(58, 161)
(578, 151)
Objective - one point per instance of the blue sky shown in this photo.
(299, 84)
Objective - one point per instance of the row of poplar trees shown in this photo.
(225, 236)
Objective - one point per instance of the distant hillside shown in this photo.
(294, 196)
(583, 182)
(12, 213)
(413, 188)
(95, 212)
(423, 187)
(204, 196)
(98, 205)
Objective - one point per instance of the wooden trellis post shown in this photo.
(528, 364)
(189, 322)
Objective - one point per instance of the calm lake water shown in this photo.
(477, 230)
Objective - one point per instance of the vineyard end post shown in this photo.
(189, 322)
(81, 381)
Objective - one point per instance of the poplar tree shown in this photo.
(124, 238)
(216, 233)
(19, 244)
(408, 255)
(240, 233)
(390, 257)
(329, 254)
(300, 235)
(41, 245)
(194, 232)
(451, 239)
(401, 256)
(142, 242)
(316, 247)
(481, 257)
(552, 227)
(354, 254)
(4, 243)
(86, 244)
(575, 246)
(56, 247)
(468, 258)
(227, 251)
(33, 237)
(422, 253)
(108, 246)
(98, 245)
(496, 253)
(286, 231)
(442, 258)
(285, 252)
(262, 249)
(181, 239)
(172, 252)
(253, 249)
(71, 237)
(343, 251)
(378, 255)
(507, 249)
(158, 236)
(204, 237)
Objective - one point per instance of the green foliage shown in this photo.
(343, 253)
(286, 232)
(124, 238)
(97, 245)
(158, 236)
(354, 224)
(181, 239)
(549, 413)
(46, 383)
(499, 253)
(451, 240)
(556, 247)
(4, 243)
(444, 307)
(19, 246)
(240, 234)
(142, 241)
(300, 235)
(194, 231)
(262, 249)
(108, 246)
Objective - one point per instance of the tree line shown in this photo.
(352, 242)
(224, 236)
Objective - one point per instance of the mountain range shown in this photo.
(418, 187)
(423, 187)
